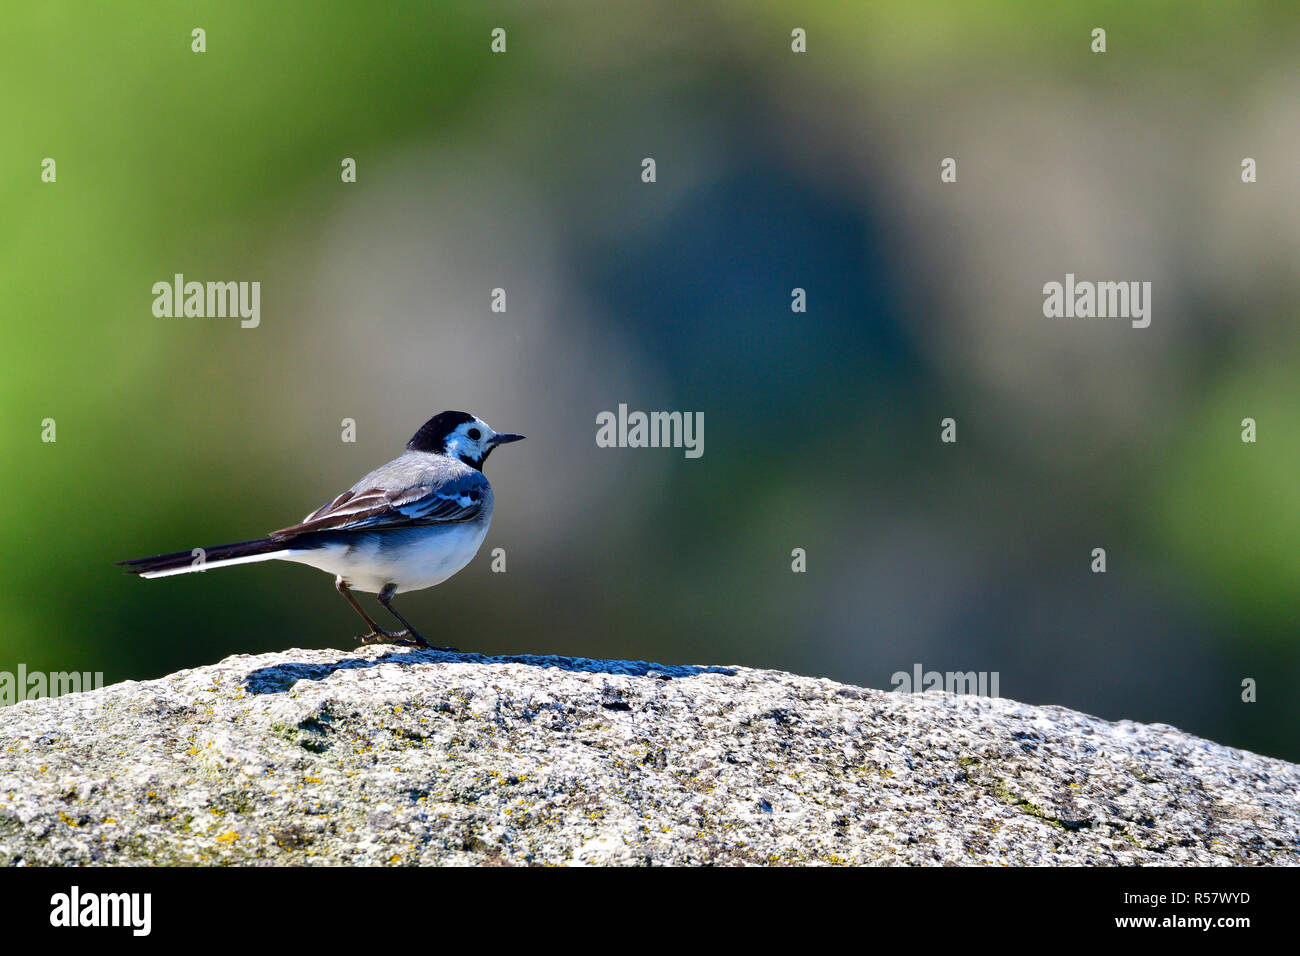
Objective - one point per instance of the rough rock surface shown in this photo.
(391, 756)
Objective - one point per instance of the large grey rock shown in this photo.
(386, 755)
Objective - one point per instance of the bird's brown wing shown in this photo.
(384, 509)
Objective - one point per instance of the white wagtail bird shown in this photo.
(409, 524)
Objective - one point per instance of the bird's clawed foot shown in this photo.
(403, 638)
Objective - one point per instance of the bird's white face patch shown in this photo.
(471, 440)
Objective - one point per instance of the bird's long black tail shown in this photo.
(205, 559)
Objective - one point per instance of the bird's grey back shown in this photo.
(413, 469)
(417, 468)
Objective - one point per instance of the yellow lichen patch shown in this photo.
(230, 836)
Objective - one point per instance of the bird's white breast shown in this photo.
(411, 559)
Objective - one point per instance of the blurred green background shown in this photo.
(775, 171)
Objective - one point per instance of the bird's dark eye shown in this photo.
(474, 434)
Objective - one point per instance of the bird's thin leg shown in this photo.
(386, 598)
(377, 634)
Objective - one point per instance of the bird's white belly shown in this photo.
(409, 559)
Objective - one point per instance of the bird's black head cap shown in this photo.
(432, 435)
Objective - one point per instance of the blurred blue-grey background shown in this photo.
(775, 170)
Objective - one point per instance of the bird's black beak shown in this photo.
(505, 439)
